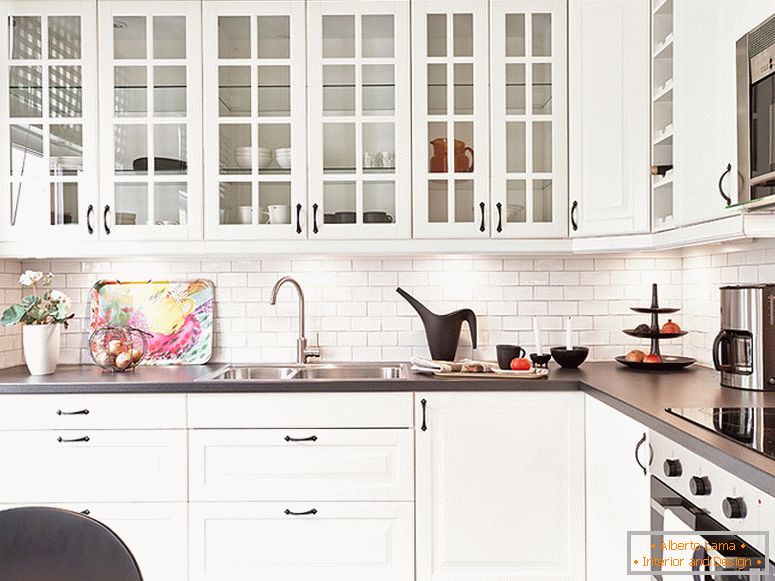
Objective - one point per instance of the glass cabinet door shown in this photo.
(255, 169)
(450, 97)
(151, 106)
(529, 160)
(48, 129)
(359, 107)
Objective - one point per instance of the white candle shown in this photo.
(537, 336)
(568, 334)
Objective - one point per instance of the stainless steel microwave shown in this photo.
(755, 64)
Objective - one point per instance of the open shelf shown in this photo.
(664, 50)
(665, 92)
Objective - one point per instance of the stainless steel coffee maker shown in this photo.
(744, 349)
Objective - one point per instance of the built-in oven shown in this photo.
(755, 56)
(708, 553)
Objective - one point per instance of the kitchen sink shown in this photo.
(321, 371)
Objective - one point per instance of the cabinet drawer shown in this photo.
(301, 410)
(156, 533)
(349, 541)
(92, 411)
(111, 466)
(302, 464)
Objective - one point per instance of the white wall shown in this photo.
(352, 303)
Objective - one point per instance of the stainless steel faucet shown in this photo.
(303, 351)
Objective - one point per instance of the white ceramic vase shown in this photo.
(41, 348)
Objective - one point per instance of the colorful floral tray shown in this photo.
(178, 315)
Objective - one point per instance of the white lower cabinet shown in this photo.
(618, 493)
(301, 464)
(155, 532)
(340, 541)
(93, 466)
(499, 486)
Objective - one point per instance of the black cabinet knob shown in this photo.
(733, 507)
(672, 468)
(699, 485)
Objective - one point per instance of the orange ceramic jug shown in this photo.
(464, 156)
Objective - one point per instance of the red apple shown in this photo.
(652, 358)
(520, 364)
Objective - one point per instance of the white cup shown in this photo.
(245, 214)
(278, 214)
(371, 159)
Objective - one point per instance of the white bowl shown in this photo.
(264, 151)
(243, 160)
(284, 162)
(264, 161)
(282, 151)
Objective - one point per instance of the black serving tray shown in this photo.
(657, 334)
(657, 310)
(668, 363)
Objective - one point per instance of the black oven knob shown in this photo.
(699, 485)
(672, 468)
(733, 507)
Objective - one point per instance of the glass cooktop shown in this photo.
(753, 428)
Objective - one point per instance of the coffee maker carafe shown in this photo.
(744, 349)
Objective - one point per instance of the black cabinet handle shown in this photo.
(637, 449)
(61, 440)
(314, 218)
(83, 412)
(573, 212)
(86, 511)
(721, 185)
(89, 214)
(105, 213)
(481, 207)
(424, 426)
(310, 439)
(305, 513)
(298, 218)
(499, 206)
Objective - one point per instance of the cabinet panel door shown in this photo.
(109, 466)
(529, 127)
(704, 89)
(156, 533)
(254, 112)
(300, 465)
(499, 486)
(609, 120)
(348, 541)
(618, 494)
(151, 120)
(450, 105)
(359, 112)
(48, 121)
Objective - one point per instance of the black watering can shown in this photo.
(442, 331)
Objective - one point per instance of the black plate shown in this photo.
(658, 310)
(669, 363)
(654, 334)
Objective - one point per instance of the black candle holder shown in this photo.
(540, 361)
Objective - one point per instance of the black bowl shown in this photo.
(540, 361)
(569, 359)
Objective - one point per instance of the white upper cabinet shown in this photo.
(151, 120)
(48, 125)
(704, 90)
(359, 115)
(450, 105)
(609, 113)
(529, 192)
(254, 109)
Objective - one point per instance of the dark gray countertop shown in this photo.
(643, 396)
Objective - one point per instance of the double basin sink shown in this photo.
(324, 371)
